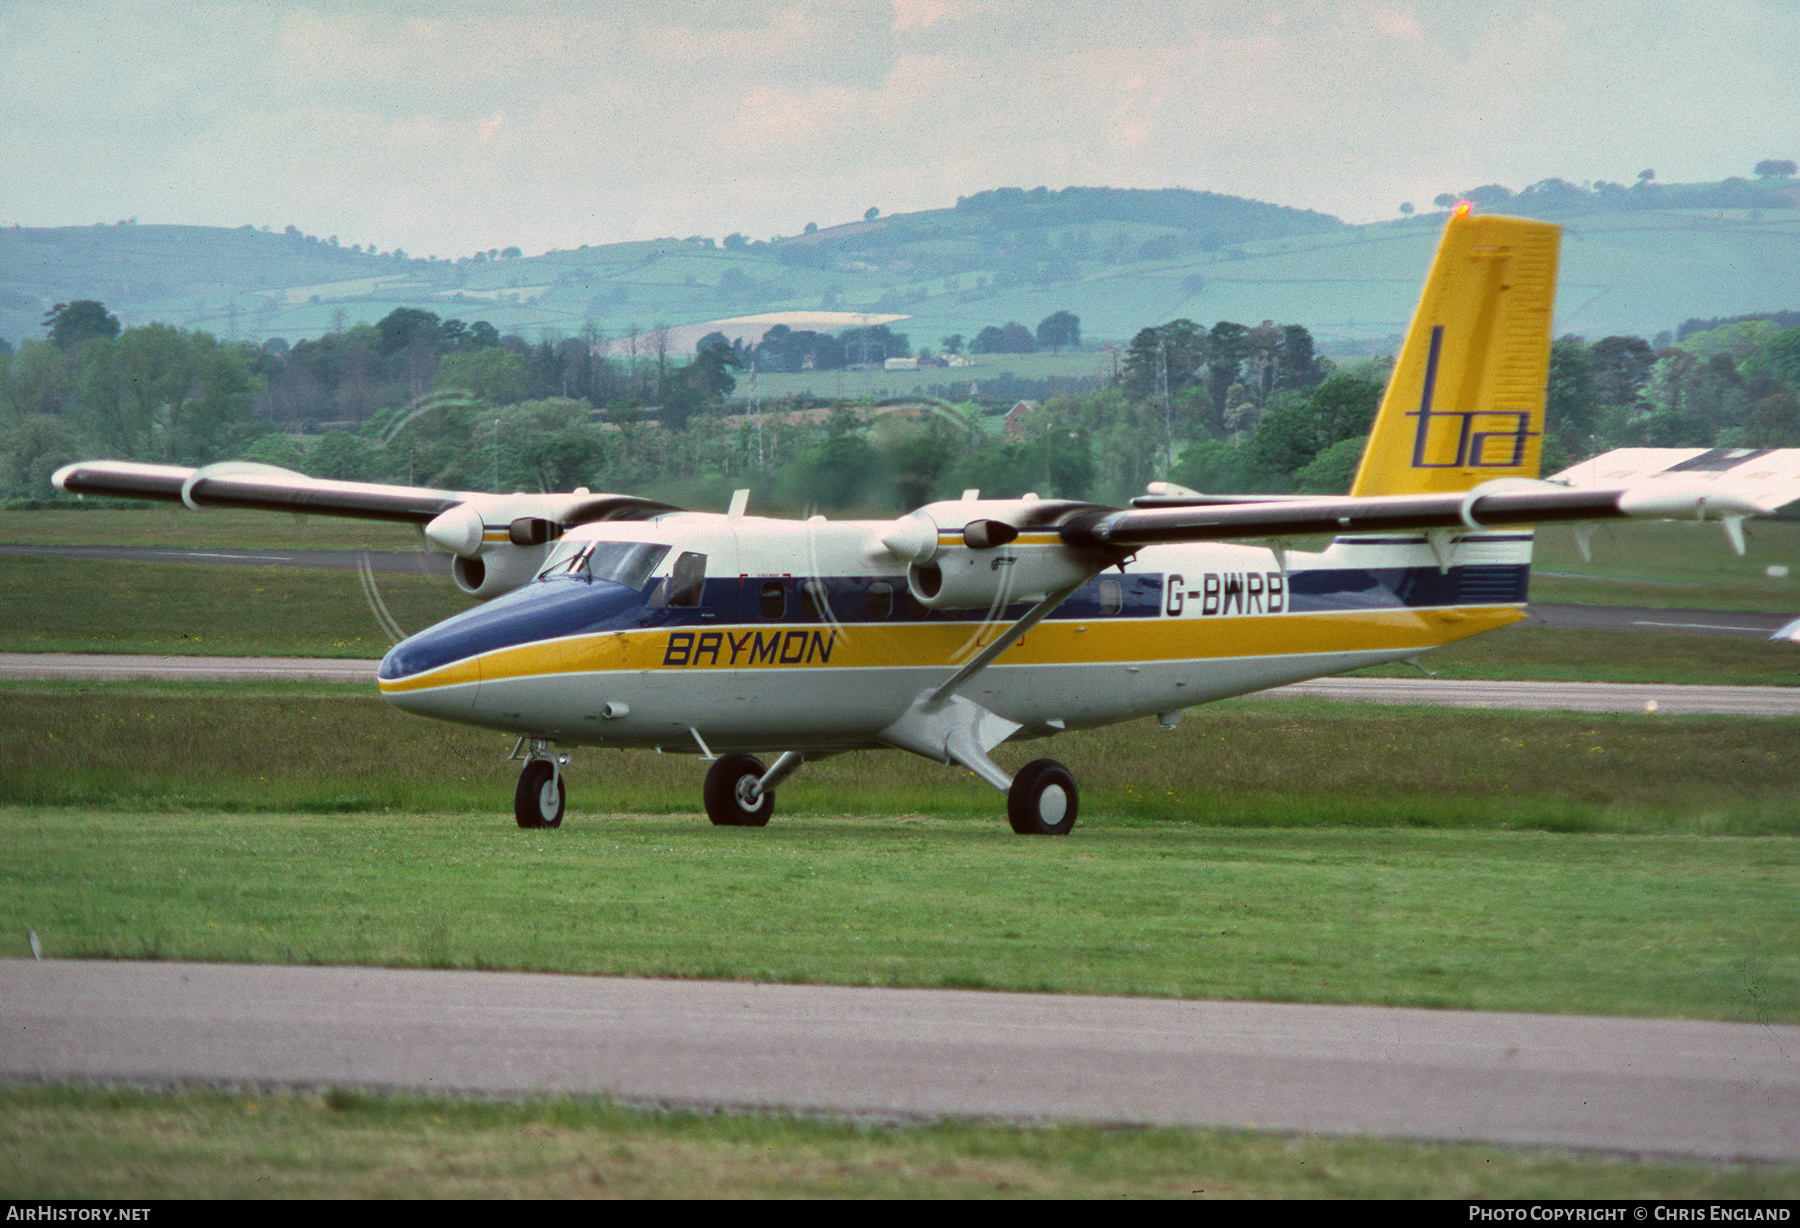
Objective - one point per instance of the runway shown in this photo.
(1719, 1091)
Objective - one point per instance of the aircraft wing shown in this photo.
(260, 487)
(272, 489)
(500, 540)
(1636, 483)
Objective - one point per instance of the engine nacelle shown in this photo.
(498, 569)
(997, 552)
(964, 579)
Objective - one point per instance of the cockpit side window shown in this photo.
(683, 587)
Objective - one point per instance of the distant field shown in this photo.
(58, 605)
(1070, 364)
(1665, 563)
(107, 523)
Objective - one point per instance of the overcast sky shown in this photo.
(448, 128)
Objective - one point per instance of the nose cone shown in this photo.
(438, 672)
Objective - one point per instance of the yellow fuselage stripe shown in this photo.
(901, 645)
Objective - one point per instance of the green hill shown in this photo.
(1636, 262)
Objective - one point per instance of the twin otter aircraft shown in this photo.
(616, 621)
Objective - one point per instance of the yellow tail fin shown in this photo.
(1466, 399)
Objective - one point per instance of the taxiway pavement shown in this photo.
(1723, 1091)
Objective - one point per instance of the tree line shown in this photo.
(423, 400)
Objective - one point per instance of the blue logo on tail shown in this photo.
(1474, 449)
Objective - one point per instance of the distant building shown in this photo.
(1015, 420)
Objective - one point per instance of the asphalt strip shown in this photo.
(1642, 1087)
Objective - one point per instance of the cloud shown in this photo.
(457, 126)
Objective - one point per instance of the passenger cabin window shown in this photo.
(1112, 595)
(881, 599)
(683, 587)
(771, 601)
(813, 605)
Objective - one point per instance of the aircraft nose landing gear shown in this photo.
(538, 800)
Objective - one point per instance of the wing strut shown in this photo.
(1008, 638)
(951, 728)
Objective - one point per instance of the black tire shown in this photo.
(538, 801)
(725, 806)
(1043, 800)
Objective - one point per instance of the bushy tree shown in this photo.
(840, 473)
(496, 375)
(551, 445)
(71, 324)
(874, 344)
(342, 457)
(1059, 329)
(1172, 356)
(32, 448)
(164, 394)
(1620, 366)
(1291, 434)
(1571, 408)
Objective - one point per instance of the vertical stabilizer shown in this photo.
(1465, 403)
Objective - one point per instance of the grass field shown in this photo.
(1442, 855)
(61, 605)
(133, 1145)
(1678, 926)
(99, 523)
(1244, 763)
(1561, 654)
(1256, 852)
(1665, 563)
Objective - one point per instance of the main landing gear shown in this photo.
(740, 794)
(1040, 801)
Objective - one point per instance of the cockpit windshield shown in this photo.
(627, 563)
